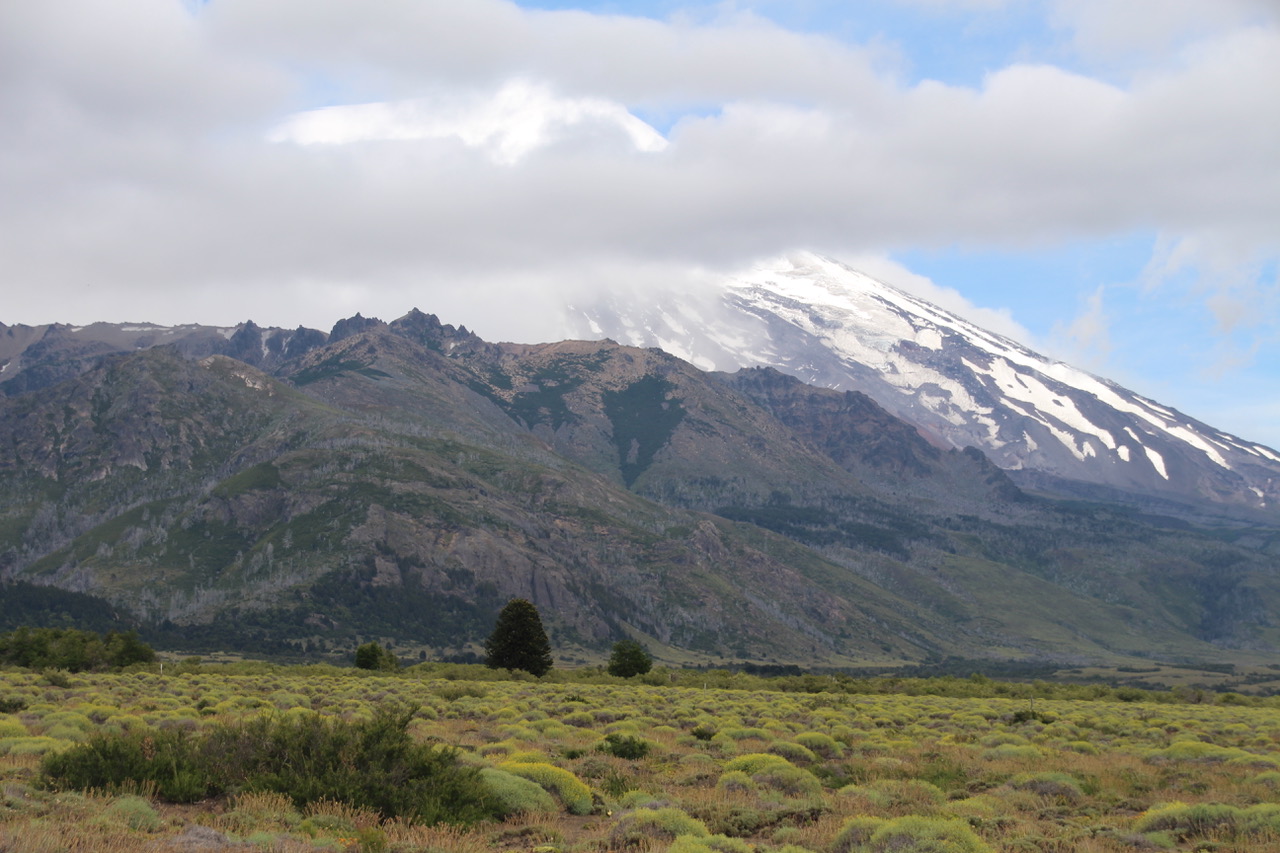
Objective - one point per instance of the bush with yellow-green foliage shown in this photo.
(568, 789)
(899, 795)
(908, 833)
(649, 826)
(135, 813)
(710, 844)
(1200, 820)
(756, 762)
(879, 757)
(821, 744)
(517, 794)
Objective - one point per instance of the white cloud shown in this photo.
(891, 272)
(517, 119)
(1086, 340)
(1143, 31)
(478, 142)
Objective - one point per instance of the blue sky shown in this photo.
(1098, 179)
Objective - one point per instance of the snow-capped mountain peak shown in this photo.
(1051, 424)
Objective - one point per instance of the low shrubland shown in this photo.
(428, 759)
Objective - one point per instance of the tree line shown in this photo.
(73, 650)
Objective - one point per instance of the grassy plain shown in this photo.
(659, 766)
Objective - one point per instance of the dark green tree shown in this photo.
(629, 658)
(518, 640)
(374, 656)
(72, 650)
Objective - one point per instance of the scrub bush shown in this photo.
(646, 826)
(625, 746)
(855, 833)
(736, 780)
(710, 844)
(910, 795)
(12, 728)
(135, 813)
(1048, 784)
(571, 791)
(924, 835)
(821, 744)
(1194, 819)
(793, 752)
(756, 762)
(517, 794)
(789, 781)
(371, 764)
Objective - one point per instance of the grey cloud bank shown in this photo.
(153, 164)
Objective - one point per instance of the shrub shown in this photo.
(1048, 784)
(581, 719)
(736, 780)
(1270, 778)
(1195, 819)
(1011, 751)
(135, 813)
(12, 728)
(1194, 750)
(789, 780)
(571, 791)
(625, 746)
(168, 759)
(855, 833)
(646, 826)
(265, 810)
(756, 762)
(370, 764)
(30, 745)
(710, 844)
(517, 794)
(373, 764)
(1081, 746)
(747, 733)
(924, 835)
(912, 795)
(793, 752)
(821, 744)
(1262, 819)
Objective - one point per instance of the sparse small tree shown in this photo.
(518, 640)
(629, 658)
(374, 656)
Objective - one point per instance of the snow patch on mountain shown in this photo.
(961, 385)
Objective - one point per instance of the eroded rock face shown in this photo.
(405, 479)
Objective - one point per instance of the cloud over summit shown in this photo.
(297, 160)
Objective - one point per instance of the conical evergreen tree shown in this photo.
(518, 640)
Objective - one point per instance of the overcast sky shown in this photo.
(1099, 178)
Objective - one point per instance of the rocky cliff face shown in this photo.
(404, 479)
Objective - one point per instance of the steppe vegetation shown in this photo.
(671, 760)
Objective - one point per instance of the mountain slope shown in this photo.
(389, 482)
(1050, 425)
(404, 479)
